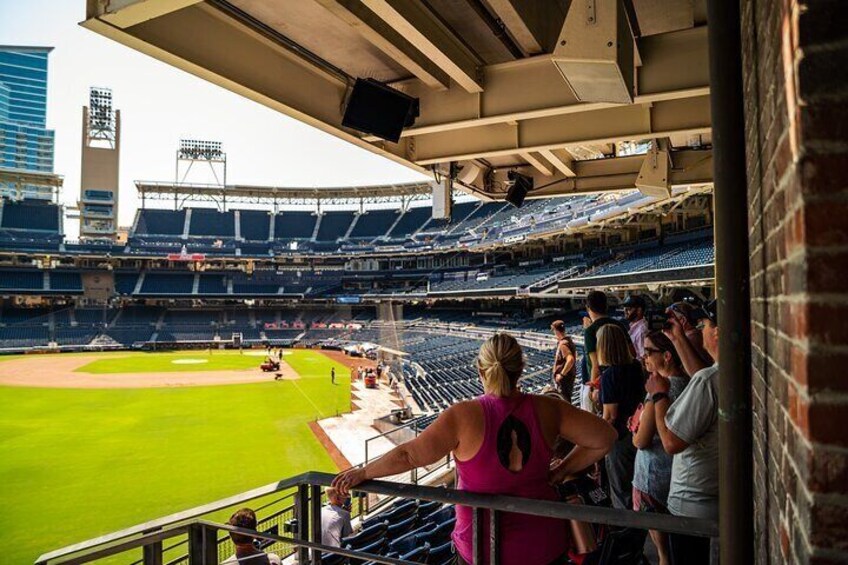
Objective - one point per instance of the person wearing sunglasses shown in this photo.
(689, 431)
(652, 475)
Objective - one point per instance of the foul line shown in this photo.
(307, 398)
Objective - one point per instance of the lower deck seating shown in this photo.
(408, 529)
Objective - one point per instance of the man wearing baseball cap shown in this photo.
(689, 431)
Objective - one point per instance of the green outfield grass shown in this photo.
(76, 463)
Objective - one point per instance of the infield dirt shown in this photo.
(59, 371)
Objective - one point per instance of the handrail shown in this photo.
(156, 529)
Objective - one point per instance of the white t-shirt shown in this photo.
(255, 559)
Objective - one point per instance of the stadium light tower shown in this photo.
(101, 150)
(211, 161)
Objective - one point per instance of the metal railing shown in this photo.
(203, 534)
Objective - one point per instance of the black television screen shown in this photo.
(379, 110)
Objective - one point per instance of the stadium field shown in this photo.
(80, 462)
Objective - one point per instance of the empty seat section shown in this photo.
(65, 281)
(374, 223)
(75, 336)
(254, 225)
(160, 222)
(334, 225)
(125, 282)
(35, 215)
(24, 336)
(21, 280)
(258, 283)
(161, 283)
(411, 221)
(294, 225)
(212, 223)
(212, 284)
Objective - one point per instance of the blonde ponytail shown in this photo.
(501, 363)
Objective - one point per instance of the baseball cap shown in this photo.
(688, 310)
(634, 301)
(708, 311)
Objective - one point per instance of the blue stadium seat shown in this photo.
(419, 554)
(375, 547)
(440, 534)
(400, 511)
(442, 554)
(442, 515)
(160, 222)
(367, 536)
(398, 529)
(426, 508)
(294, 225)
(31, 215)
(411, 540)
(332, 559)
(334, 225)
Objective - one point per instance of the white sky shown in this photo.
(160, 104)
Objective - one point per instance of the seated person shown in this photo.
(246, 552)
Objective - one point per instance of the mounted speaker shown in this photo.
(521, 186)
(379, 110)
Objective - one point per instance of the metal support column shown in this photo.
(202, 545)
(315, 520)
(494, 535)
(301, 507)
(736, 527)
(477, 548)
(152, 553)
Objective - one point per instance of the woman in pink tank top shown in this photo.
(502, 445)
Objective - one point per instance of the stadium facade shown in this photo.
(25, 142)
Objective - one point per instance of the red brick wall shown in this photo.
(795, 56)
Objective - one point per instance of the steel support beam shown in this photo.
(619, 123)
(535, 26)
(388, 40)
(691, 167)
(127, 13)
(562, 164)
(413, 21)
(538, 164)
(674, 66)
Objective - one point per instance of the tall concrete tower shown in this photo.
(101, 151)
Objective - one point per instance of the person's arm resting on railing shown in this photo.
(434, 443)
(592, 438)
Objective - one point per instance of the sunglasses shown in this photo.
(651, 351)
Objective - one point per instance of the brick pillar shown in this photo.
(795, 56)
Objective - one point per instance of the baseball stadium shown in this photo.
(240, 345)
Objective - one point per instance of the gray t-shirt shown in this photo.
(335, 525)
(694, 473)
(652, 469)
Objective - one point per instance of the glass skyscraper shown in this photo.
(25, 142)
